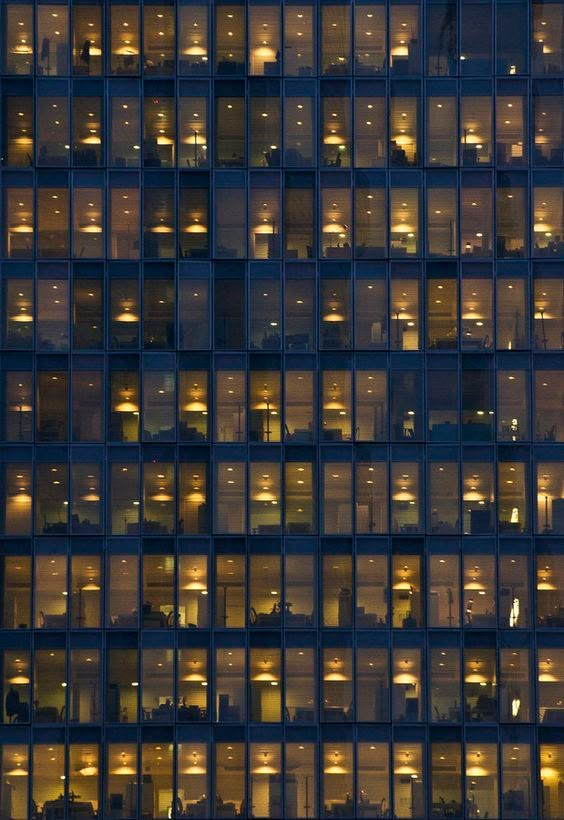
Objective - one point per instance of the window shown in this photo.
(17, 518)
(405, 507)
(53, 34)
(85, 687)
(442, 404)
(124, 39)
(404, 222)
(300, 583)
(230, 686)
(86, 591)
(511, 147)
(409, 793)
(230, 497)
(514, 685)
(15, 764)
(512, 405)
(16, 592)
(265, 695)
(18, 39)
(230, 591)
(192, 774)
(299, 52)
(265, 606)
(479, 591)
(371, 591)
(441, 133)
(192, 685)
(48, 773)
(480, 690)
(337, 405)
(123, 593)
(230, 40)
(404, 126)
(18, 243)
(337, 691)
(475, 130)
(157, 684)
(406, 591)
(264, 40)
(124, 132)
(230, 775)
(405, 45)
(193, 506)
(121, 765)
(406, 685)
(122, 692)
(158, 591)
(124, 499)
(337, 590)
(370, 39)
(193, 39)
(372, 685)
(445, 685)
(337, 498)
(50, 685)
(193, 603)
(446, 775)
(301, 759)
(158, 40)
(193, 130)
(550, 762)
(300, 704)
(547, 39)
(443, 512)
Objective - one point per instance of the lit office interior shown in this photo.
(281, 410)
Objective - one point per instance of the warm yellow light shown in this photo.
(126, 51)
(403, 495)
(475, 677)
(477, 771)
(546, 586)
(471, 139)
(21, 317)
(126, 317)
(160, 496)
(126, 406)
(195, 139)
(17, 772)
(21, 228)
(196, 406)
(89, 770)
(474, 585)
(20, 679)
(125, 770)
(405, 678)
(265, 676)
(194, 51)
(333, 139)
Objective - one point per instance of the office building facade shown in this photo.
(282, 409)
